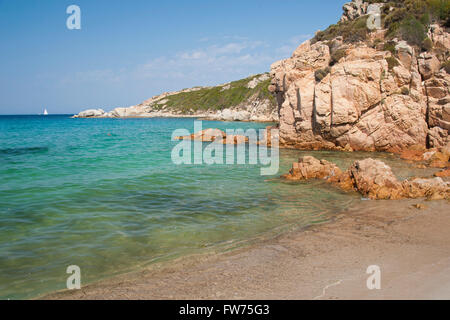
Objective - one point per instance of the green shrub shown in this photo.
(427, 44)
(439, 9)
(336, 56)
(446, 66)
(351, 31)
(405, 91)
(392, 62)
(385, 10)
(376, 42)
(390, 46)
(396, 15)
(321, 73)
(409, 19)
(404, 19)
(413, 31)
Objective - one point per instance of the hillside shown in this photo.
(242, 100)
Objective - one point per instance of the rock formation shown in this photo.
(353, 10)
(372, 178)
(374, 95)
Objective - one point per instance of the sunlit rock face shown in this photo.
(366, 98)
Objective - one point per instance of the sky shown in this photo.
(129, 51)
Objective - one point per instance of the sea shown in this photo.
(105, 195)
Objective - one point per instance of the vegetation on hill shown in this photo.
(351, 31)
(409, 19)
(404, 19)
(218, 98)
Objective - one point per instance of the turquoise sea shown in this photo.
(104, 194)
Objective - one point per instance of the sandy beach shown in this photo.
(328, 261)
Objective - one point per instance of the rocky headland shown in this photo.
(351, 88)
(243, 100)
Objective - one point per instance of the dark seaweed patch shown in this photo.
(22, 151)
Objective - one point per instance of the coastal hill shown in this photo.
(378, 89)
(243, 100)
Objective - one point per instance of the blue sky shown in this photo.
(128, 51)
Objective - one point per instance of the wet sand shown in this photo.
(328, 261)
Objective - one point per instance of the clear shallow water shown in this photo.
(103, 194)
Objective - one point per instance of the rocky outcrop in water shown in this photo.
(210, 135)
(434, 157)
(92, 113)
(443, 174)
(372, 178)
(375, 95)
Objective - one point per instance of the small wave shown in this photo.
(22, 151)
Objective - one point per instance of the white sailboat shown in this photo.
(45, 112)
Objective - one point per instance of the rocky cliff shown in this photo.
(351, 88)
(243, 100)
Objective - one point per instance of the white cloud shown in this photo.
(200, 63)
(210, 63)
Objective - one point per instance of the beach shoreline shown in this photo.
(327, 261)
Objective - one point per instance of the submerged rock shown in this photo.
(443, 174)
(434, 158)
(207, 135)
(210, 135)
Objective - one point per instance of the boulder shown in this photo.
(438, 137)
(428, 65)
(431, 188)
(440, 38)
(92, 113)
(311, 168)
(375, 180)
(405, 53)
